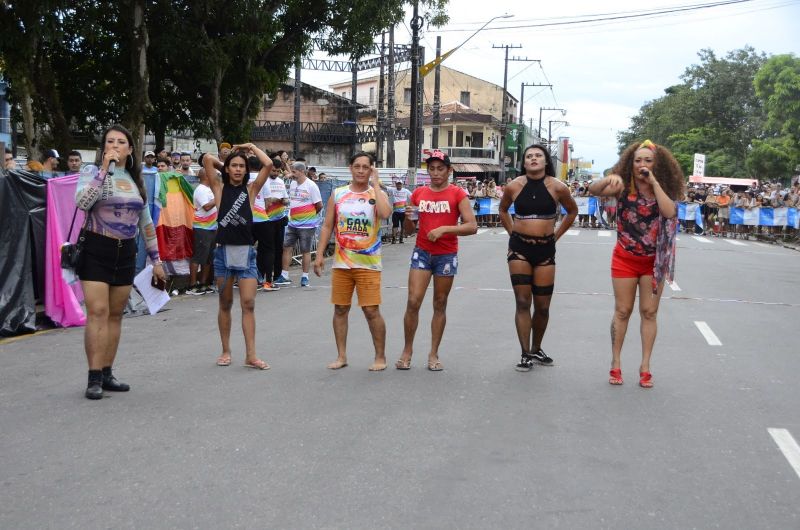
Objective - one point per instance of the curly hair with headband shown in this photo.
(666, 169)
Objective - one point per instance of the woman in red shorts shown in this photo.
(647, 181)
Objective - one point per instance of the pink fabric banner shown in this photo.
(62, 302)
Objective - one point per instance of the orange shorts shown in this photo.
(627, 265)
(367, 284)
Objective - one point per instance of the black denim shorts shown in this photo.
(108, 260)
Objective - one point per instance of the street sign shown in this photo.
(513, 137)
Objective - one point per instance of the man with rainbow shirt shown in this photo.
(269, 211)
(204, 227)
(400, 196)
(305, 202)
(354, 215)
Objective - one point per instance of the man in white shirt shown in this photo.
(274, 199)
(400, 197)
(305, 203)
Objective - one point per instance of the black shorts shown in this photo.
(535, 250)
(108, 260)
(397, 219)
(204, 243)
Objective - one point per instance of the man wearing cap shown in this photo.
(224, 150)
(74, 162)
(400, 196)
(149, 172)
(305, 202)
(50, 160)
(176, 159)
(435, 254)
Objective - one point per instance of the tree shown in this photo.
(714, 111)
(777, 83)
(774, 158)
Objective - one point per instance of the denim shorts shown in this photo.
(221, 269)
(438, 264)
(304, 235)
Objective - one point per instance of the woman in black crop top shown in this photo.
(536, 196)
(235, 257)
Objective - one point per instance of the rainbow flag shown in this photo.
(174, 230)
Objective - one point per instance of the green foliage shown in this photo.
(210, 61)
(715, 110)
(777, 83)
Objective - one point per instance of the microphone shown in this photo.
(111, 168)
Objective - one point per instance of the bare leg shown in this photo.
(287, 257)
(193, 274)
(225, 288)
(307, 260)
(624, 296)
(118, 297)
(247, 301)
(340, 316)
(648, 310)
(418, 281)
(441, 290)
(377, 327)
(95, 334)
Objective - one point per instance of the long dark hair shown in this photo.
(549, 169)
(233, 154)
(132, 164)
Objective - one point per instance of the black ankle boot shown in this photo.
(94, 389)
(110, 382)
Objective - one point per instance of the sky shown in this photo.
(601, 72)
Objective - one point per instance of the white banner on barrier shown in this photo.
(751, 217)
(583, 205)
(780, 216)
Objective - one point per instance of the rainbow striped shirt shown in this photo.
(204, 220)
(400, 199)
(357, 243)
(302, 198)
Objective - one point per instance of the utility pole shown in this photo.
(539, 130)
(379, 128)
(413, 140)
(550, 131)
(298, 64)
(390, 104)
(436, 97)
(354, 102)
(522, 98)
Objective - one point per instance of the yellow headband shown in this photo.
(647, 144)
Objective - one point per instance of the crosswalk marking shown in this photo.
(734, 242)
(573, 232)
(673, 286)
(788, 446)
(709, 335)
(702, 239)
(482, 231)
(604, 233)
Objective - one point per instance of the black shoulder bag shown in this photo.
(71, 253)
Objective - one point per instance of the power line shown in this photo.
(612, 17)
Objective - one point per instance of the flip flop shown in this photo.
(645, 380)
(615, 377)
(256, 364)
(377, 367)
(403, 365)
(337, 365)
(435, 366)
(224, 360)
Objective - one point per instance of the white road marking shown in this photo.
(604, 233)
(677, 238)
(674, 286)
(709, 335)
(573, 232)
(734, 242)
(702, 239)
(788, 446)
(482, 231)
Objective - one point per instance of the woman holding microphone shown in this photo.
(114, 199)
(647, 181)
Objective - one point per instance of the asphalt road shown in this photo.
(478, 445)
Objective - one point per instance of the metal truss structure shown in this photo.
(323, 133)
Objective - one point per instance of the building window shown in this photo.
(407, 96)
(459, 138)
(344, 95)
(465, 98)
(449, 138)
(372, 95)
